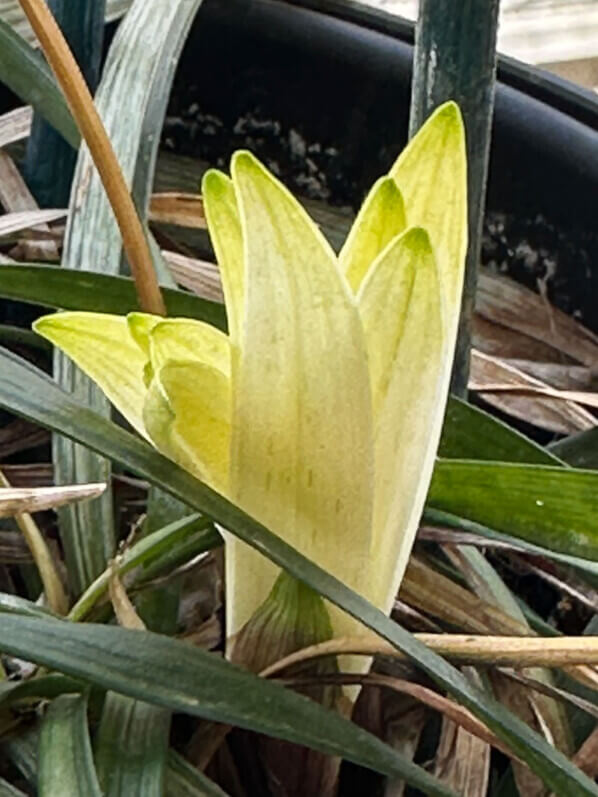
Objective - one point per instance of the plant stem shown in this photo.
(55, 594)
(455, 58)
(77, 94)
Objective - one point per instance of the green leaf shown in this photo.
(8, 790)
(131, 100)
(20, 389)
(21, 749)
(51, 286)
(65, 760)
(439, 518)
(552, 507)
(166, 672)
(471, 433)
(17, 336)
(150, 552)
(131, 747)
(579, 450)
(25, 72)
(45, 686)
(13, 604)
(185, 780)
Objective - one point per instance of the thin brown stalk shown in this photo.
(77, 94)
(496, 651)
(48, 572)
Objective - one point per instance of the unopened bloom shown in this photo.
(320, 412)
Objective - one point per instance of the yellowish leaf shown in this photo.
(381, 218)
(182, 339)
(431, 173)
(102, 347)
(406, 345)
(187, 414)
(222, 213)
(301, 456)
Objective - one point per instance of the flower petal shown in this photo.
(140, 325)
(431, 173)
(222, 214)
(381, 218)
(302, 438)
(102, 347)
(407, 349)
(185, 339)
(187, 415)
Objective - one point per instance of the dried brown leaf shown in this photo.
(178, 208)
(540, 409)
(16, 198)
(15, 500)
(198, 276)
(505, 302)
(15, 125)
(462, 759)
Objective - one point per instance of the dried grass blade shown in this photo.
(199, 276)
(14, 500)
(15, 125)
(25, 220)
(545, 411)
(505, 302)
(180, 209)
(462, 759)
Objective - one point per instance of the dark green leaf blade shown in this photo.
(66, 766)
(164, 671)
(471, 433)
(185, 780)
(579, 450)
(552, 507)
(21, 390)
(51, 286)
(45, 686)
(24, 71)
(131, 747)
(8, 790)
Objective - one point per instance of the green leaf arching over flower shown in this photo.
(320, 412)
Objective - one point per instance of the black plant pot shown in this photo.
(297, 84)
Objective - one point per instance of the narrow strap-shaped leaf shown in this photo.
(131, 747)
(153, 552)
(49, 161)
(21, 748)
(471, 433)
(8, 790)
(185, 780)
(13, 604)
(170, 673)
(552, 507)
(97, 293)
(579, 450)
(66, 767)
(45, 686)
(20, 389)
(25, 72)
(439, 518)
(132, 100)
